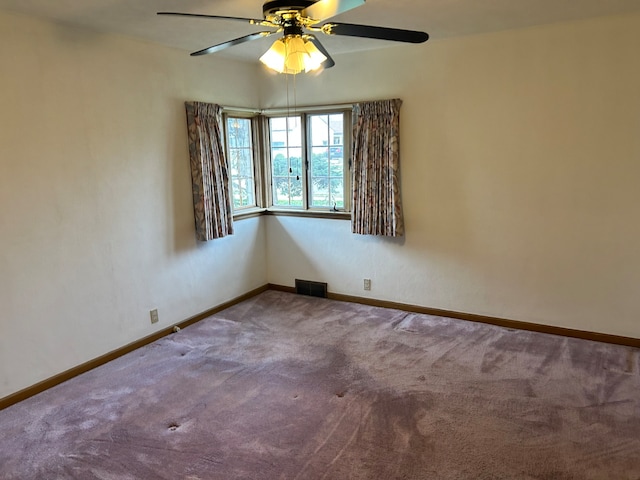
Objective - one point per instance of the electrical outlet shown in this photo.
(154, 315)
(367, 284)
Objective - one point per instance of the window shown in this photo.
(326, 176)
(283, 161)
(285, 134)
(307, 160)
(241, 162)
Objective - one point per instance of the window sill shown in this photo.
(309, 213)
(248, 213)
(258, 212)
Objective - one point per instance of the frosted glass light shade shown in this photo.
(295, 61)
(275, 56)
(315, 57)
(292, 55)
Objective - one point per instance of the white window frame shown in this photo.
(256, 160)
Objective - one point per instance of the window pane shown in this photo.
(232, 134)
(336, 167)
(285, 134)
(295, 132)
(240, 155)
(319, 130)
(280, 163)
(319, 161)
(281, 190)
(337, 192)
(335, 153)
(295, 161)
(327, 160)
(235, 190)
(287, 191)
(245, 193)
(320, 192)
(336, 123)
(245, 163)
(278, 124)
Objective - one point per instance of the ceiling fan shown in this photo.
(297, 50)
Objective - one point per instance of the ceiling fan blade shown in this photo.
(324, 9)
(369, 31)
(231, 43)
(328, 63)
(252, 21)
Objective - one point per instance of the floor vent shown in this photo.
(313, 289)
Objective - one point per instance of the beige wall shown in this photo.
(96, 217)
(520, 159)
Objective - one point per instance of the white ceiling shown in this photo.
(439, 18)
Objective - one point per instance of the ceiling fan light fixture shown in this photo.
(293, 54)
(298, 51)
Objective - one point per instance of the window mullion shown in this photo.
(305, 165)
(259, 160)
(346, 149)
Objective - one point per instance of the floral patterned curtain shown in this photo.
(377, 206)
(209, 171)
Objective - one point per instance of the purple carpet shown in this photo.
(292, 387)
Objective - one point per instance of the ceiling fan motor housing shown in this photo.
(275, 6)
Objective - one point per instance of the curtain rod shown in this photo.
(284, 109)
(308, 108)
(305, 108)
(241, 109)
